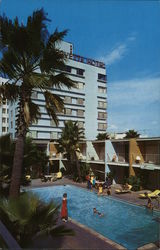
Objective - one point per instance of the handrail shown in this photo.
(8, 238)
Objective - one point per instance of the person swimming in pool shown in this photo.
(95, 211)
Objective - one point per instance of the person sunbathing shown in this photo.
(149, 202)
(126, 186)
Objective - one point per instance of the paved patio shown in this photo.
(84, 238)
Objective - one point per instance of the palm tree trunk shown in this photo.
(17, 168)
(78, 169)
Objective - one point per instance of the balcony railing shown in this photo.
(152, 158)
(148, 158)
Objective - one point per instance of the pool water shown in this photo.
(129, 225)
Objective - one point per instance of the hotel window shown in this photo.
(3, 120)
(34, 95)
(102, 104)
(102, 115)
(7, 111)
(80, 85)
(3, 129)
(80, 72)
(42, 110)
(7, 120)
(102, 77)
(102, 90)
(3, 111)
(80, 101)
(11, 113)
(68, 111)
(54, 135)
(7, 129)
(80, 112)
(74, 100)
(68, 99)
(52, 123)
(102, 126)
(68, 69)
(80, 124)
(11, 124)
(4, 102)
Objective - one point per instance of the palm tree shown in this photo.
(28, 217)
(33, 158)
(6, 160)
(69, 142)
(102, 136)
(30, 60)
(132, 134)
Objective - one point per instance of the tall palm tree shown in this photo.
(30, 60)
(69, 142)
(132, 134)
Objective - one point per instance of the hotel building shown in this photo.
(87, 103)
(4, 113)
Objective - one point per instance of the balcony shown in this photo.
(150, 160)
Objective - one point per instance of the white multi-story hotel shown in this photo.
(86, 104)
(4, 116)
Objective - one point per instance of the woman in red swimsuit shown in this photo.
(64, 210)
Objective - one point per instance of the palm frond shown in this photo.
(34, 111)
(62, 80)
(52, 59)
(39, 80)
(56, 37)
(61, 231)
(54, 105)
(6, 30)
(9, 91)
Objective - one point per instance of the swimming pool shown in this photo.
(129, 225)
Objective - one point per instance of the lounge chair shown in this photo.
(57, 175)
(123, 191)
(151, 195)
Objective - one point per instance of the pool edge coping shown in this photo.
(98, 235)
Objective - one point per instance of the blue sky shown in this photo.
(123, 34)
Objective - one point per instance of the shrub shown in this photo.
(28, 216)
(135, 182)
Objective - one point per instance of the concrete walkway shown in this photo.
(84, 238)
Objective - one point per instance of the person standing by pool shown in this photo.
(64, 210)
(89, 185)
(100, 189)
(93, 181)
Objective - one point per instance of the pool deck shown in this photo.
(84, 238)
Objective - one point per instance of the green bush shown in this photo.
(84, 169)
(135, 182)
(29, 216)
